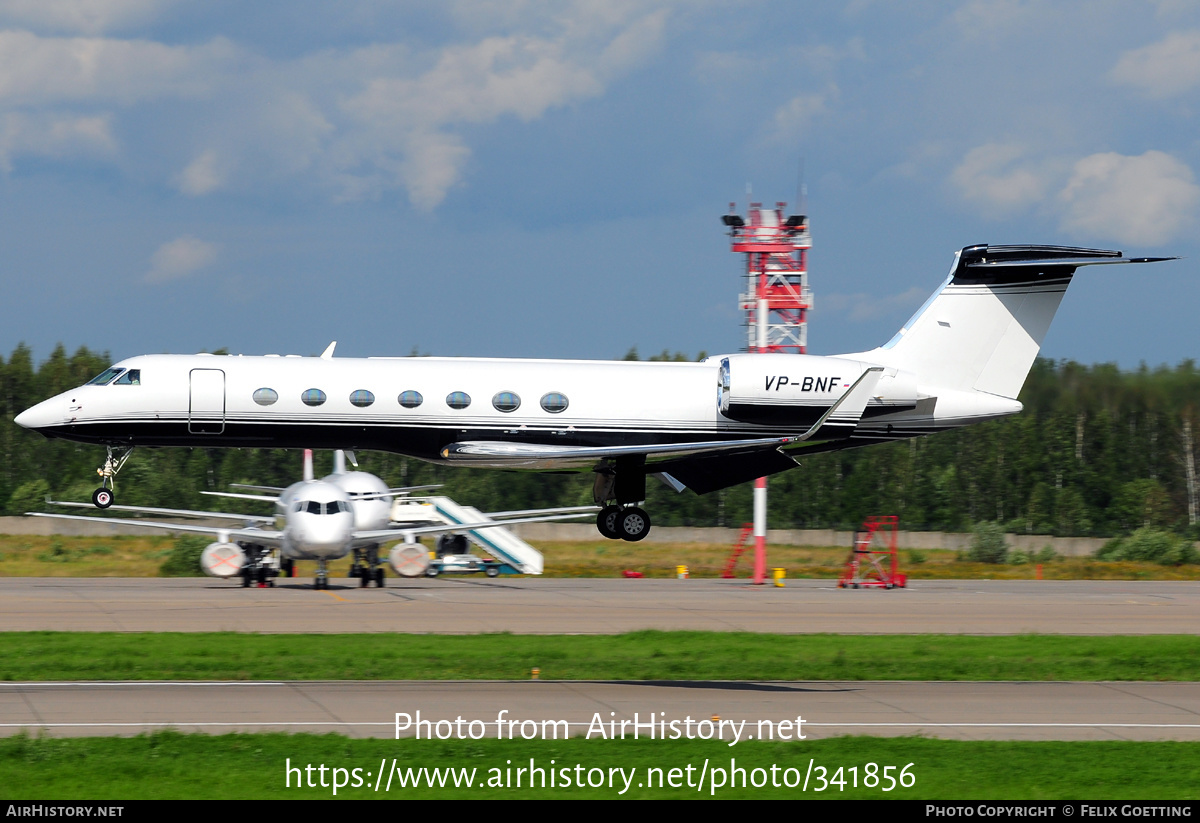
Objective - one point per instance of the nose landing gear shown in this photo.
(104, 496)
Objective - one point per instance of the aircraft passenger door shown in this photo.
(206, 404)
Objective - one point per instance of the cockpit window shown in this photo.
(133, 377)
(104, 376)
(313, 507)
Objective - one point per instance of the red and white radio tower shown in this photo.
(775, 306)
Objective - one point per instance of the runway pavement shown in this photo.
(600, 606)
(963, 711)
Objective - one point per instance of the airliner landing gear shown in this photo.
(367, 567)
(321, 581)
(618, 487)
(103, 497)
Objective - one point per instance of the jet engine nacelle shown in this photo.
(409, 559)
(222, 560)
(795, 390)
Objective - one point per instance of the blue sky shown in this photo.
(544, 179)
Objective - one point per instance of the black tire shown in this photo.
(606, 522)
(364, 577)
(102, 498)
(492, 571)
(379, 576)
(634, 524)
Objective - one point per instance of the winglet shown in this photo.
(328, 353)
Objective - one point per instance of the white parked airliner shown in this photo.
(319, 520)
(961, 359)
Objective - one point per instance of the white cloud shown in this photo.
(1148, 199)
(1000, 178)
(84, 16)
(53, 135)
(403, 128)
(47, 70)
(355, 122)
(794, 118)
(1164, 69)
(862, 307)
(202, 175)
(179, 258)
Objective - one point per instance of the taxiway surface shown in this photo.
(601, 606)
(963, 711)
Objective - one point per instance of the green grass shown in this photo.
(648, 655)
(173, 765)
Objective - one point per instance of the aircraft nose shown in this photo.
(38, 417)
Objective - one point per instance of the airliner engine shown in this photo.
(409, 559)
(222, 560)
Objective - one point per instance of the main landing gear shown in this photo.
(103, 497)
(367, 567)
(619, 485)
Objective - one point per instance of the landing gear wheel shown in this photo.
(606, 522)
(364, 577)
(102, 498)
(379, 577)
(492, 571)
(634, 524)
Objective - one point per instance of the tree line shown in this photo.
(1097, 452)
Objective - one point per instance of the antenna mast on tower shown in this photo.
(774, 306)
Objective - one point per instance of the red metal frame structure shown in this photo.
(775, 306)
(777, 298)
(877, 537)
(738, 548)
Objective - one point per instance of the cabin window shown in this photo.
(361, 398)
(104, 377)
(411, 399)
(554, 402)
(133, 377)
(506, 401)
(458, 400)
(265, 397)
(313, 397)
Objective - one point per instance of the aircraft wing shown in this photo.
(533, 455)
(254, 488)
(265, 536)
(838, 421)
(256, 518)
(407, 533)
(560, 510)
(236, 496)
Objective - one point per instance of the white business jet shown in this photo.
(961, 359)
(321, 520)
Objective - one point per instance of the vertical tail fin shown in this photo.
(983, 328)
(308, 465)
